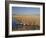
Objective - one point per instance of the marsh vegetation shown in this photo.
(20, 23)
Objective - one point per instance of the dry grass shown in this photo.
(29, 20)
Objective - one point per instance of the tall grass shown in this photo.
(32, 22)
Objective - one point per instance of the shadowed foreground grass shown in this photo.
(26, 27)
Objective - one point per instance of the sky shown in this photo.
(25, 11)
